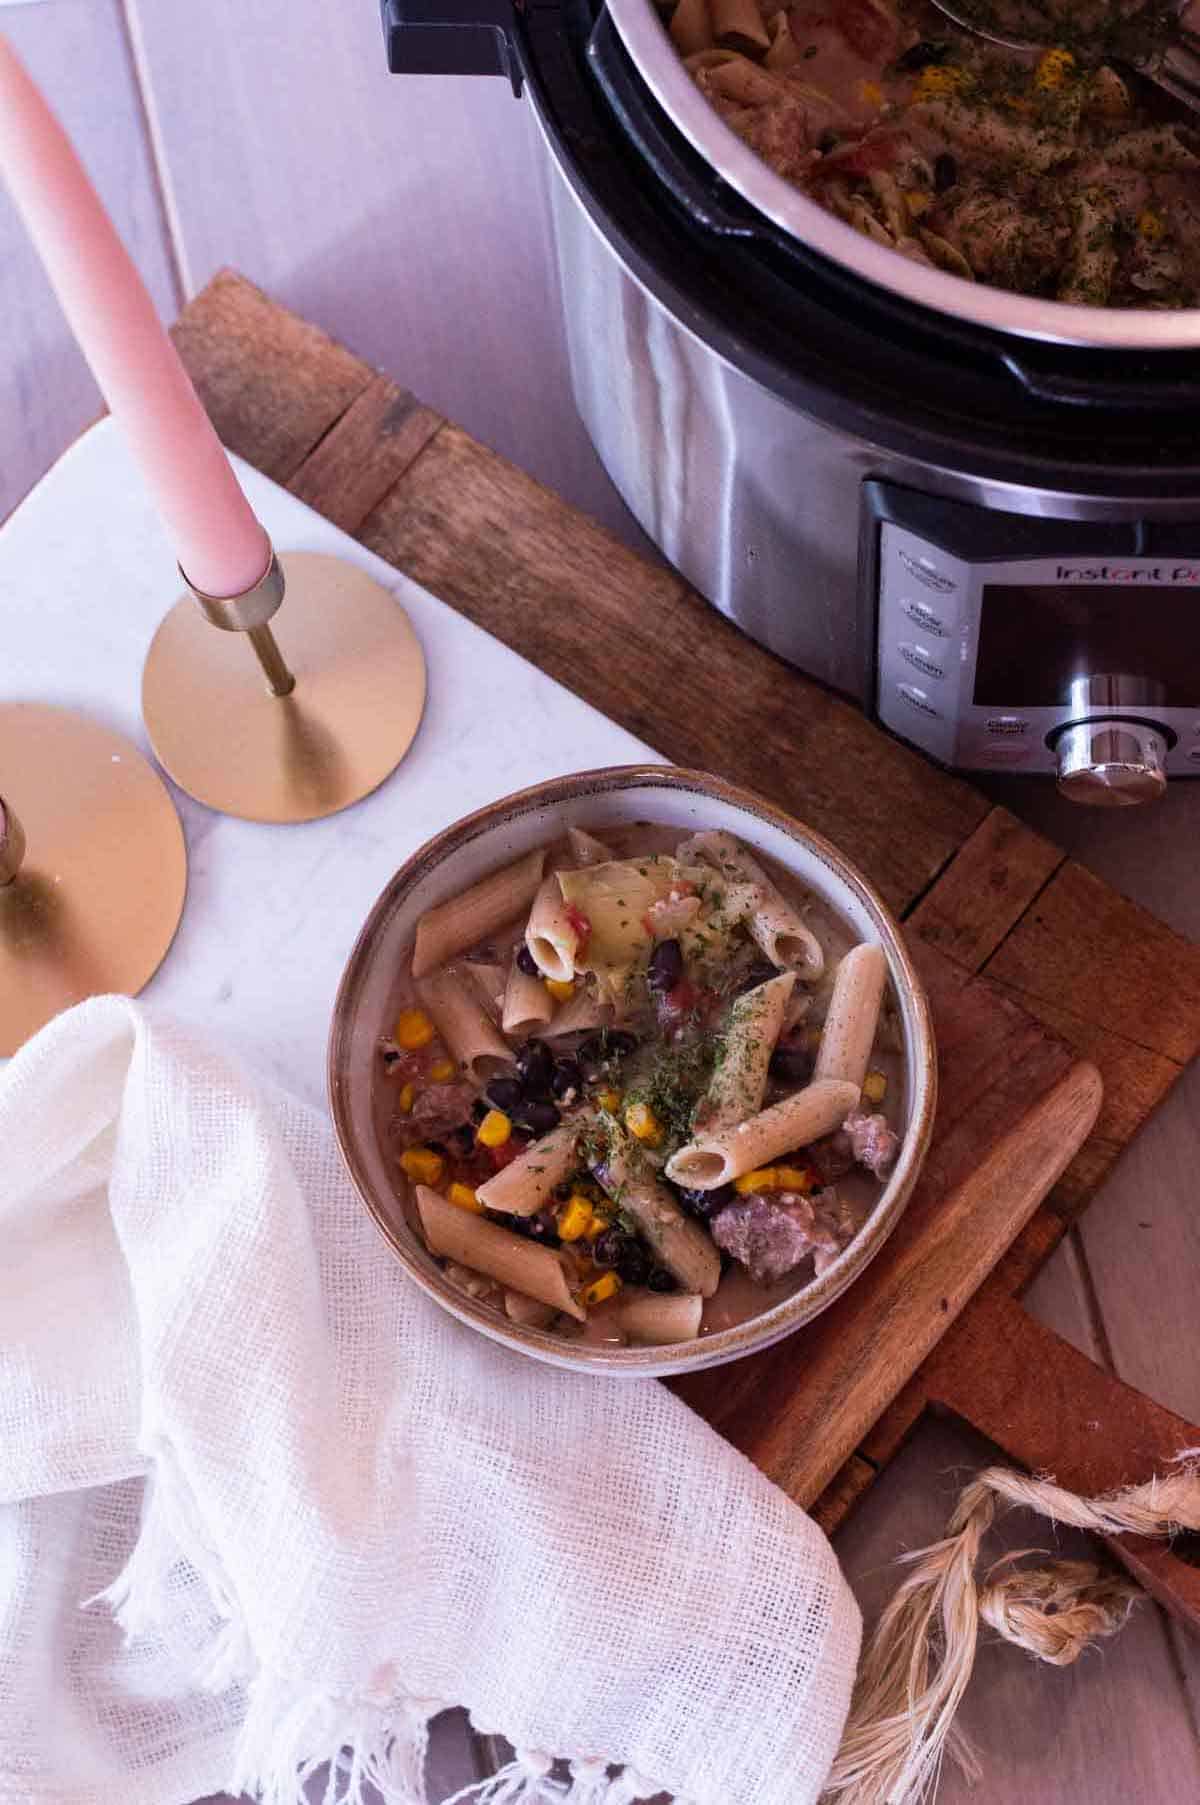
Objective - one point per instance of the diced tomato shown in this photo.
(581, 925)
(868, 28)
(880, 151)
(504, 1156)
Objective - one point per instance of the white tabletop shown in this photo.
(86, 574)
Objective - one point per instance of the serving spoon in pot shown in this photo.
(1170, 57)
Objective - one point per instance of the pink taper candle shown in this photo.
(220, 545)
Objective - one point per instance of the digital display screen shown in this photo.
(1033, 639)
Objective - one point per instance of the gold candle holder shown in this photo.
(93, 870)
(295, 733)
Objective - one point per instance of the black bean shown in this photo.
(436, 1146)
(541, 1227)
(666, 966)
(463, 1138)
(536, 1119)
(479, 1109)
(535, 1069)
(791, 1064)
(561, 1192)
(829, 140)
(505, 1094)
(928, 51)
(526, 963)
(567, 1081)
(706, 1203)
(661, 1280)
(609, 1249)
(945, 172)
(620, 1044)
(634, 1263)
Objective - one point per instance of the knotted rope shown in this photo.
(920, 1658)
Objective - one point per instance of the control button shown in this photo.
(924, 616)
(1112, 763)
(1193, 752)
(1007, 726)
(922, 660)
(926, 572)
(916, 698)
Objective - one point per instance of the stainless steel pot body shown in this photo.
(753, 499)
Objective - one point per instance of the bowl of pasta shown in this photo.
(632, 1071)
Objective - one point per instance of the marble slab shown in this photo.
(86, 573)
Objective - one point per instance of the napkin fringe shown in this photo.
(375, 1749)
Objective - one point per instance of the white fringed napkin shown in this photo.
(317, 1511)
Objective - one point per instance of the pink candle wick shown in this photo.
(220, 544)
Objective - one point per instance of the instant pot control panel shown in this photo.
(1009, 642)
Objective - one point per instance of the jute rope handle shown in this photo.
(919, 1661)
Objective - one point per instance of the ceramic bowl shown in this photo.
(500, 833)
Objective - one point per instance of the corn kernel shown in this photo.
(561, 989)
(597, 1226)
(494, 1130)
(609, 1100)
(917, 202)
(871, 92)
(794, 1178)
(1053, 68)
(406, 1099)
(442, 1070)
(874, 1087)
(423, 1165)
(413, 1029)
(575, 1219)
(464, 1198)
(601, 1289)
(764, 1178)
(642, 1122)
(938, 79)
(1151, 225)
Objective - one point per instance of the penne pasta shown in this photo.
(528, 1311)
(717, 1159)
(739, 1080)
(680, 1244)
(523, 1187)
(464, 1025)
(552, 934)
(586, 849)
(584, 1011)
(537, 1271)
(853, 1016)
(776, 926)
(738, 24)
(691, 27)
(489, 979)
(652, 1319)
(527, 1004)
(471, 916)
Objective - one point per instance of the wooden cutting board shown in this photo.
(1043, 979)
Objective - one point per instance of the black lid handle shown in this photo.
(451, 37)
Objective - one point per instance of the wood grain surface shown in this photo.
(406, 218)
(988, 893)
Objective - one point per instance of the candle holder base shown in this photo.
(100, 880)
(231, 742)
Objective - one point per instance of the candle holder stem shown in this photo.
(280, 680)
(353, 677)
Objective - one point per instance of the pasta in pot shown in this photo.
(1048, 173)
(651, 1100)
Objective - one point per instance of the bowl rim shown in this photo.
(756, 1332)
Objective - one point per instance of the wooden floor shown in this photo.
(406, 218)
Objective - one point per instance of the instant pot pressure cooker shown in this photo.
(976, 511)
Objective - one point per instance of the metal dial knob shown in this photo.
(1112, 764)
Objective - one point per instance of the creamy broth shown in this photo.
(644, 1077)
